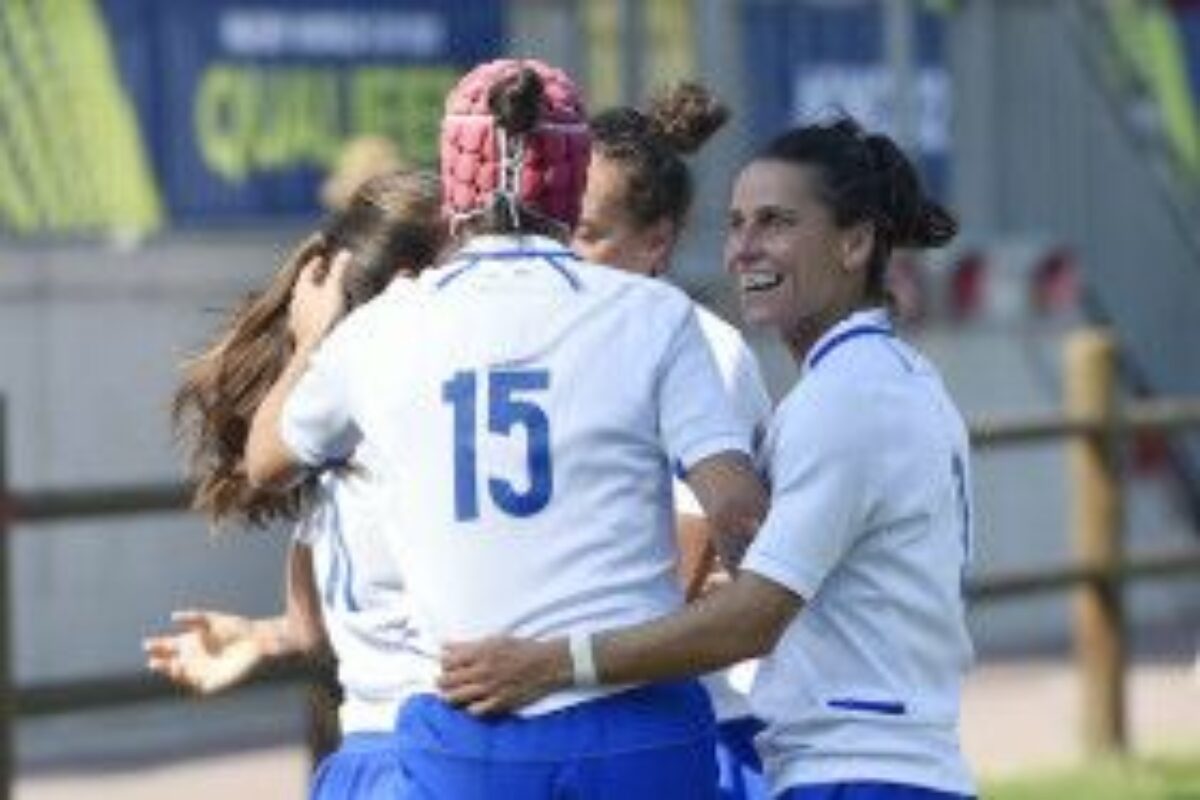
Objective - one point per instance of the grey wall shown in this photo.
(1048, 144)
(90, 340)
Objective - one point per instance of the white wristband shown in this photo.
(583, 660)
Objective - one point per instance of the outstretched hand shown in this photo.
(500, 674)
(210, 651)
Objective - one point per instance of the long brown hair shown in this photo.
(391, 224)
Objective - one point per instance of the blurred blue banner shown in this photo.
(811, 60)
(243, 105)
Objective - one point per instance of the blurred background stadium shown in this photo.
(159, 158)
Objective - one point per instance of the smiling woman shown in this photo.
(813, 222)
(852, 587)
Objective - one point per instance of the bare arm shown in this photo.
(316, 305)
(697, 556)
(734, 502)
(740, 621)
(269, 461)
(305, 632)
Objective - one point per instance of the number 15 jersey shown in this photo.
(527, 409)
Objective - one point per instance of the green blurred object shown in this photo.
(1174, 777)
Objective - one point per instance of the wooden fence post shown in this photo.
(7, 694)
(1096, 530)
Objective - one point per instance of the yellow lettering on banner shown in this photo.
(425, 102)
(224, 112)
(403, 104)
(374, 103)
(321, 139)
(299, 122)
(672, 51)
(602, 23)
(250, 119)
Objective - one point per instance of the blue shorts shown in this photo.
(738, 765)
(651, 742)
(364, 766)
(867, 790)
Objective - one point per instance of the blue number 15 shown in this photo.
(506, 411)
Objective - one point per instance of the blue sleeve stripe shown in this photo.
(890, 708)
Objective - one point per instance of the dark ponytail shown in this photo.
(867, 178)
(516, 101)
(911, 219)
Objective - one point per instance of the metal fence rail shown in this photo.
(1092, 422)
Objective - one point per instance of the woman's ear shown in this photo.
(858, 241)
(659, 241)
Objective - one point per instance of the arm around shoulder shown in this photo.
(269, 460)
(742, 620)
(733, 499)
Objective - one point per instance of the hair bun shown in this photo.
(515, 100)
(914, 220)
(686, 116)
(933, 226)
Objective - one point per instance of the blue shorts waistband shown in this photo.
(646, 717)
(359, 741)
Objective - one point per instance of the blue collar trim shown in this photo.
(558, 259)
(836, 341)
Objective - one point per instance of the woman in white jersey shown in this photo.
(638, 196)
(342, 589)
(852, 587)
(526, 407)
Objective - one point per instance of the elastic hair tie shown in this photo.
(512, 160)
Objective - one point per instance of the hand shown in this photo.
(210, 653)
(318, 300)
(717, 578)
(500, 674)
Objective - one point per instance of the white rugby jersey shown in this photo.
(744, 384)
(381, 658)
(526, 408)
(870, 522)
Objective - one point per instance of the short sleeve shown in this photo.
(819, 484)
(696, 417)
(317, 423)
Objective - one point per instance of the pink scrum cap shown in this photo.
(544, 169)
